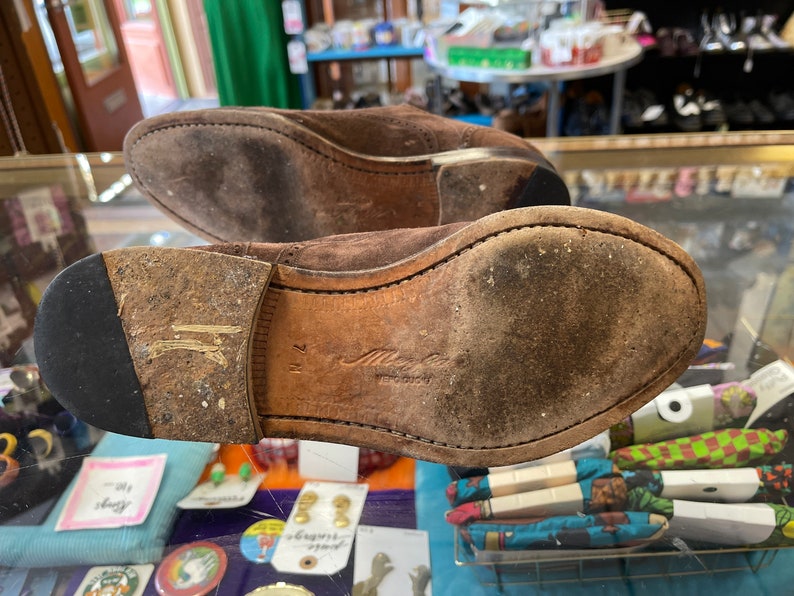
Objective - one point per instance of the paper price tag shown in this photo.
(296, 55)
(771, 384)
(293, 17)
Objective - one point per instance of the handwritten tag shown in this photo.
(772, 383)
(112, 492)
(232, 492)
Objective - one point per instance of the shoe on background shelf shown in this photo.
(756, 40)
(588, 116)
(761, 112)
(782, 104)
(632, 111)
(686, 110)
(263, 174)
(684, 42)
(654, 112)
(738, 112)
(768, 22)
(491, 343)
(641, 109)
(724, 26)
(712, 113)
(639, 26)
(665, 42)
(708, 35)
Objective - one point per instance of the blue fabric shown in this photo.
(42, 546)
(613, 528)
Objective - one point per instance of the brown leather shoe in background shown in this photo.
(261, 174)
(482, 344)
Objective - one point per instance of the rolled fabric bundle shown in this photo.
(731, 485)
(725, 448)
(514, 481)
(704, 408)
(599, 530)
(589, 496)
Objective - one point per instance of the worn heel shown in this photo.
(178, 356)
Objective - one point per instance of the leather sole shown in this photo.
(237, 175)
(522, 334)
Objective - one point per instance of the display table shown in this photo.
(627, 54)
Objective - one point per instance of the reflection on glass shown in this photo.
(93, 38)
(49, 37)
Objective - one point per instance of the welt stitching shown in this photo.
(375, 428)
(285, 135)
(464, 249)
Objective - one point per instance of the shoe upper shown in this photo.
(261, 174)
(345, 252)
(398, 131)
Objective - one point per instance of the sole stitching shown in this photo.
(482, 240)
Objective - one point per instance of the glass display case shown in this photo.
(727, 199)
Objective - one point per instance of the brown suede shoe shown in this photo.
(480, 344)
(267, 175)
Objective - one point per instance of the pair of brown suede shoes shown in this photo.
(509, 338)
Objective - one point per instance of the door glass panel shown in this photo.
(138, 10)
(93, 37)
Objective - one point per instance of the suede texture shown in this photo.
(267, 175)
(402, 131)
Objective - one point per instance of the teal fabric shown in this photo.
(601, 530)
(249, 50)
(42, 546)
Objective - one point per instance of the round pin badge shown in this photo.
(280, 589)
(258, 542)
(194, 569)
(113, 581)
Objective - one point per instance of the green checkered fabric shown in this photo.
(726, 448)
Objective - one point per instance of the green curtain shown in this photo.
(249, 47)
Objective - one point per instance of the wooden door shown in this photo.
(96, 65)
(144, 41)
(201, 38)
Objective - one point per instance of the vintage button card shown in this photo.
(112, 492)
(321, 528)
